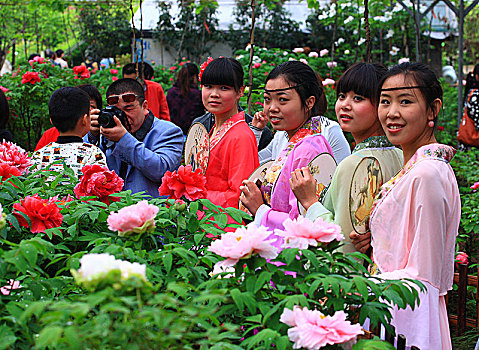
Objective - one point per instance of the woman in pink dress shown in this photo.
(416, 217)
(291, 101)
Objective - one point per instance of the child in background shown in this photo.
(96, 102)
(69, 109)
(233, 149)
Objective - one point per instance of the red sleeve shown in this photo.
(51, 135)
(241, 155)
(157, 100)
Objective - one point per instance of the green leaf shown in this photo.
(237, 298)
(168, 261)
(7, 337)
(264, 277)
(48, 337)
(362, 287)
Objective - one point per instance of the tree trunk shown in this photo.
(251, 42)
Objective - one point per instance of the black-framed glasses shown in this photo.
(127, 98)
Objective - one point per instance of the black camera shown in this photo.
(105, 118)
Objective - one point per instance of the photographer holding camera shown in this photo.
(138, 146)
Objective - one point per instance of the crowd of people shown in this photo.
(391, 114)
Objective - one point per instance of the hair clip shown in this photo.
(204, 65)
(406, 87)
(283, 89)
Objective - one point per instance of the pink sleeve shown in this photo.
(283, 201)
(430, 225)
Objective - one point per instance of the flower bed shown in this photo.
(80, 271)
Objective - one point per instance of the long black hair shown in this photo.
(306, 82)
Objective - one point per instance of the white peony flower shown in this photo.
(348, 20)
(403, 60)
(313, 54)
(361, 41)
(394, 51)
(303, 60)
(347, 52)
(298, 50)
(340, 41)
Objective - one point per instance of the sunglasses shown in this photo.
(127, 98)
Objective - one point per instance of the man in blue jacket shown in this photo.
(142, 148)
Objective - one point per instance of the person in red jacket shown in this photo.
(96, 102)
(154, 93)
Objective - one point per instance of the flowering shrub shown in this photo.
(99, 182)
(183, 183)
(42, 213)
(164, 280)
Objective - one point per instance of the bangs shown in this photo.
(220, 72)
(362, 79)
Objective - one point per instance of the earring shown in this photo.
(431, 123)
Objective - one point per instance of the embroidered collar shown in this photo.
(235, 119)
(373, 142)
(432, 151)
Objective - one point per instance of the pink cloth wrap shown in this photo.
(414, 227)
(283, 202)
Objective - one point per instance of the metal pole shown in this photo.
(460, 62)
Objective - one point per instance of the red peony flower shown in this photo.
(204, 65)
(172, 68)
(31, 77)
(185, 182)
(43, 213)
(81, 72)
(14, 156)
(440, 128)
(4, 89)
(114, 78)
(114, 71)
(7, 171)
(462, 257)
(98, 181)
(36, 59)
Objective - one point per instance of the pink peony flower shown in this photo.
(257, 65)
(323, 52)
(462, 258)
(114, 71)
(14, 156)
(475, 186)
(4, 89)
(403, 60)
(12, 284)
(313, 330)
(242, 243)
(332, 64)
(313, 54)
(328, 81)
(133, 220)
(298, 50)
(303, 60)
(114, 78)
(302, 232)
